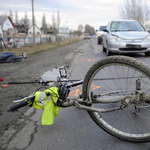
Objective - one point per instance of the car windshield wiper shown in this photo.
(116, 30)
(121, 30)
(128, 30)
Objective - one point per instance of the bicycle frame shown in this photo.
(84, 104)
(80, 103)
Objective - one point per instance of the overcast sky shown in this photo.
(72, 12)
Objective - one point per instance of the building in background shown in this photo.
(7, 27)
(37, 30)
(64, 32)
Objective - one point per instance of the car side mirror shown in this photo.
(105, 30)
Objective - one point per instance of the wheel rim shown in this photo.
(123, 122)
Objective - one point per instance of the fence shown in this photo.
(28, 40)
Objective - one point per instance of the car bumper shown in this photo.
(123, 47)
(88, 37)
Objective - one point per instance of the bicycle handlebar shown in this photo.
(71, 83)
(22, 104)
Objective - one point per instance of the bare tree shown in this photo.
(58, 19)
(23, 24)
(54, 23)
(71, 32)
(49, 26)
(16, 17)
(79, 30)
(53, 19)
(80, 27)
(26, 20)
(146, 16)
(89, 29)
(44, 25)
(11, 14)
(134, 9)
(25, 17)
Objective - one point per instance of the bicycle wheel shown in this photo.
(120, 76)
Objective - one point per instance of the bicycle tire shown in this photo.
(109, 122)
(22, 104)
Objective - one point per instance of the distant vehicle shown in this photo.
(126, 36)
(100, 33)
(87, 36)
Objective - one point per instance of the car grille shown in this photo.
(132, 49)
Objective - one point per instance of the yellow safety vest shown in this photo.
(50, 109)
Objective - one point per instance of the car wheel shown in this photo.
(104, 49)
(147, 54)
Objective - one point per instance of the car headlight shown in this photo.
(147, 39)
(114, 39)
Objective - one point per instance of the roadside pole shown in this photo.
(33, 26)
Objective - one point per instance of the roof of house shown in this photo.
(34, 25)
(3, 19)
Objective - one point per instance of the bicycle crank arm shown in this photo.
(79, 106)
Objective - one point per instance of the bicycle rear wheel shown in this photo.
(120, 76)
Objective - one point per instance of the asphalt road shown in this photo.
(73, 129)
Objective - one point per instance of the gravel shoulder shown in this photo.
(29, 70)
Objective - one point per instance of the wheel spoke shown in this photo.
(120, 78)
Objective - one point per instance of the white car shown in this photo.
(126, 36)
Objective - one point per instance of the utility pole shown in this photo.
(58, 20)
(33, 26)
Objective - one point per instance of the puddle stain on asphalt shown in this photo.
(52, 74)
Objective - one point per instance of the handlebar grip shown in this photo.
(22, 104)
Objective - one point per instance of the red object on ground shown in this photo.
(5, 85)
(1, 79)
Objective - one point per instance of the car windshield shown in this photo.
(102, 28)
(126, 26)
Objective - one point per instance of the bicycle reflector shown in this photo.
(1, 79)
(5, 85)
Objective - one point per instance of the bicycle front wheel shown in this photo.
(120, 76)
